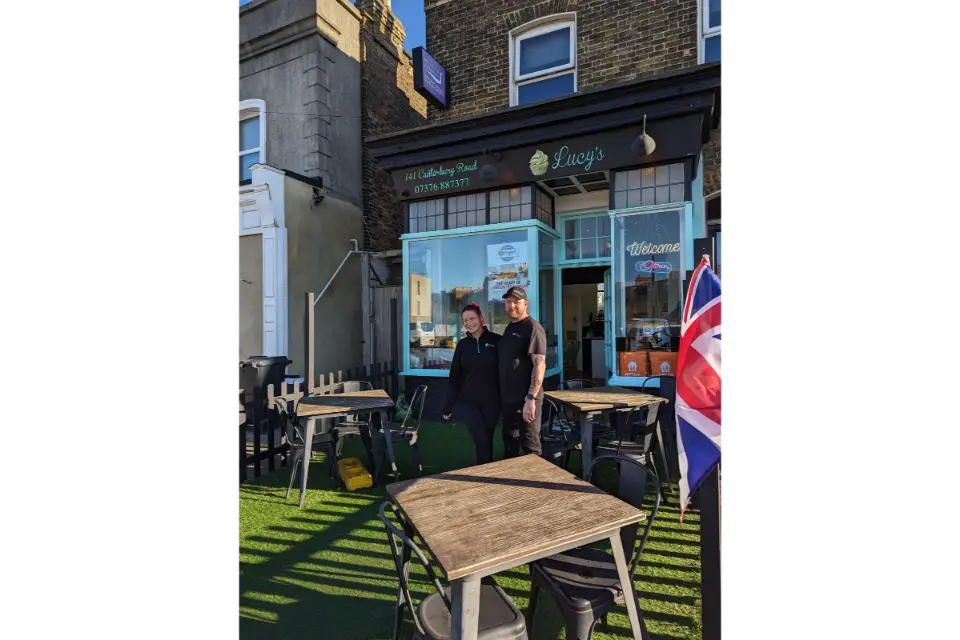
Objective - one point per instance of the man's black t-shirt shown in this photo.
(519, 341)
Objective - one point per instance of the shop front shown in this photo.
(591, 202)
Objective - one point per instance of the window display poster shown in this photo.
(507, 267)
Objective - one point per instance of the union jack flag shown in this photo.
(698, 382)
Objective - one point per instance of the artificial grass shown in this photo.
(325, 571)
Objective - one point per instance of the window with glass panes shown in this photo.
(649, 186)
(710, 30)
(586, 237)
(544, 63)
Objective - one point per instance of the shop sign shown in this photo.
(506, 267)
(542, 161)
(430, 79)
(652, 266)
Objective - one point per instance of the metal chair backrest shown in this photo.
(411, 421)
(668, 387)
(352, 386)
(578, 383)
(398, 540)
(291, 426)
(633, 495)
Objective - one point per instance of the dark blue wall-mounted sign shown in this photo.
(430, 79)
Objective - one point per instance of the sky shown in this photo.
(413, 20)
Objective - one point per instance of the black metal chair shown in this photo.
(558, 435)
(294, 432)
(584, 581)
(499, 617)
(406, 432)
(579, 383)
(666, 428)
(352, 426)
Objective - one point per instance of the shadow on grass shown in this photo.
(326, 570)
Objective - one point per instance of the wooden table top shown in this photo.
(602, 398)
(485, 516)
(343, 403)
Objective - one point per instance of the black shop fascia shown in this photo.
(602, 188)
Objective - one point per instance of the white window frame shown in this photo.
(252, 109)
(706, 31)
(535, 28)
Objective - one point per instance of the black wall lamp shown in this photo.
(488, 170)
(643, 144)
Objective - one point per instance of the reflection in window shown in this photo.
(710, 30)
(453, 272)
(586, 238)
(252, 133)
(466, 211)
(649, 186)
(548, 297)
(544, 64)
(511, 205)
(649, 275)
(426, 215)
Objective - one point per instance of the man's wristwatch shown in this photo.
(529, 397)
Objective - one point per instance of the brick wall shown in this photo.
(388, 103)
(617, 41)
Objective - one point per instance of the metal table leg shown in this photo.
(629, 592)
(465, 608)
(307, 452)
(586, 444)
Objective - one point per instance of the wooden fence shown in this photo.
(259, 413)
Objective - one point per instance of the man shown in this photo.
(522, 358)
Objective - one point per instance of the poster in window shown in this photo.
(506, 267)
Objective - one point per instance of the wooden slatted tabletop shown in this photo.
(342, 403)
(602, 398)
(486, 516)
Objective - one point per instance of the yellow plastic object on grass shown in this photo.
(354, 475)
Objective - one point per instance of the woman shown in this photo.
(474, 389)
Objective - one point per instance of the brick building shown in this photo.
(573, 147)
(316, 76)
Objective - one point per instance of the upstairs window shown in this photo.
(543, 62)
(253, 135)
(710, 29)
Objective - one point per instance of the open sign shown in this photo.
(652, 266)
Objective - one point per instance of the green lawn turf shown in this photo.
(325, 571)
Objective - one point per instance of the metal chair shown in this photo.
(406, 432)
(294, 432)
(558, 436)
(499, 618)
(579, 383)
(584, 581)
(666, 428)
(352, 426)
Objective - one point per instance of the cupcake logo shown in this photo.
(539, 163)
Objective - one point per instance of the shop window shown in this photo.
(452, 273)
(426, 215)
(649, 186)
(543, 62)
(586, 237)
(547, 311)
(511, 205)
(544, 208)
(649, 271)
(710, 30)
(466, 211)
(253, 136)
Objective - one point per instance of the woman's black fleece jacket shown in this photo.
(473, 372)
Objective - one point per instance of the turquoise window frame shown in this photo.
(560, 221)
(686, 231)
(532, 227)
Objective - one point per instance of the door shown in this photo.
(608, 339)
(251, 296)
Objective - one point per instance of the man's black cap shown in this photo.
(516, 292)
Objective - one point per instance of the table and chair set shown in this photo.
(483, 520)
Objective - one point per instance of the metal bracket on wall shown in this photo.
(343, 262)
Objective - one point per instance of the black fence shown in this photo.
(263, 423)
